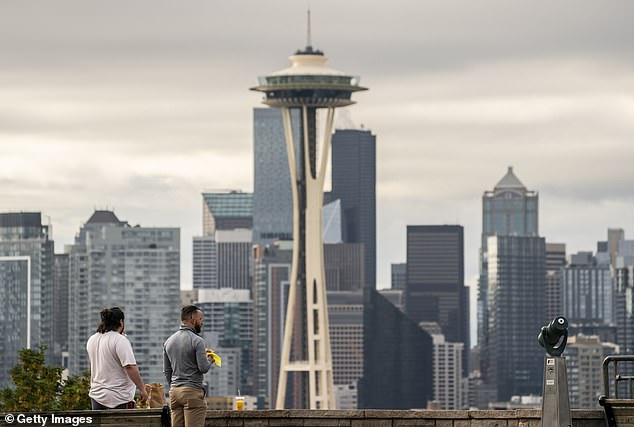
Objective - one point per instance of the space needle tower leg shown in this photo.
(307, 271)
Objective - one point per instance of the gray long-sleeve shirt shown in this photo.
(184, 359)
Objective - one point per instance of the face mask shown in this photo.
(198, 327)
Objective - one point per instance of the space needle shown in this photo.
(309, 87)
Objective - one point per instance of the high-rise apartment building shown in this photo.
(624, 278)
(508, 210)
(228, 324)
(134, 268)
(345, 313)
(272, 266)
(354, 183)
(272, 197)
(61, 281)
(623, 261)
(516, 301)
(584, 359)
(447, 362)
(15, 279)
(205, 262)
(555, 261)
(221, 256)
(587, 291)
(26, 287)
(233, 249)
(435, 290)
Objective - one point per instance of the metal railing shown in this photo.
(619, 377)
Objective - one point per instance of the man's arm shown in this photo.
(167, 367)
(135, 376)
(201, 357)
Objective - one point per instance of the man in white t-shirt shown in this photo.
(114, 375)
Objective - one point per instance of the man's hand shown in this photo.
(144, 396)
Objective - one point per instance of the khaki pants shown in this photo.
(188, 406)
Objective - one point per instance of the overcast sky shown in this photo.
(141, 105)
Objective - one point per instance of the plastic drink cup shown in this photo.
(239, 403)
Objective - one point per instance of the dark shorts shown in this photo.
(96, 406)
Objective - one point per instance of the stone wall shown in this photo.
(359, 418)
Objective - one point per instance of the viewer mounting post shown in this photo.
(555, 398)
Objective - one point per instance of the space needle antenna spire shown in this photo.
(308, 32)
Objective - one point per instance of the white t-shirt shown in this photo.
(109, 353)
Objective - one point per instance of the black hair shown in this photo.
(188, 311)
(110, 319)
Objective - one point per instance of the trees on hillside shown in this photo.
(40, 388)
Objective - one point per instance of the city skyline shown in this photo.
(145, 118)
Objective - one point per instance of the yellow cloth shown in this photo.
(217, 360)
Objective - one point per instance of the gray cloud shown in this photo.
(142, 105)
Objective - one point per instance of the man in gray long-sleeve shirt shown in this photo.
(184, 363)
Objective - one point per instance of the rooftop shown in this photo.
(510, 181)
(103, 217)
(229, 204)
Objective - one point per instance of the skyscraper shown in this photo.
(434, 290)
(233, 248)
(516, 301)
(221, 257)
(229, 325)
(345, 311)
(397, 365)
(272, 272)
(61, 282)
(272, 197)
(354, 183)
(624, 308)
(584, 358)
(623, 259)
(555, 261)
(508, 210)
(135, 268)
(223, 260)
(205, 262)
(447, 363)
(588, 291)
(227, 210)
(26, 287)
